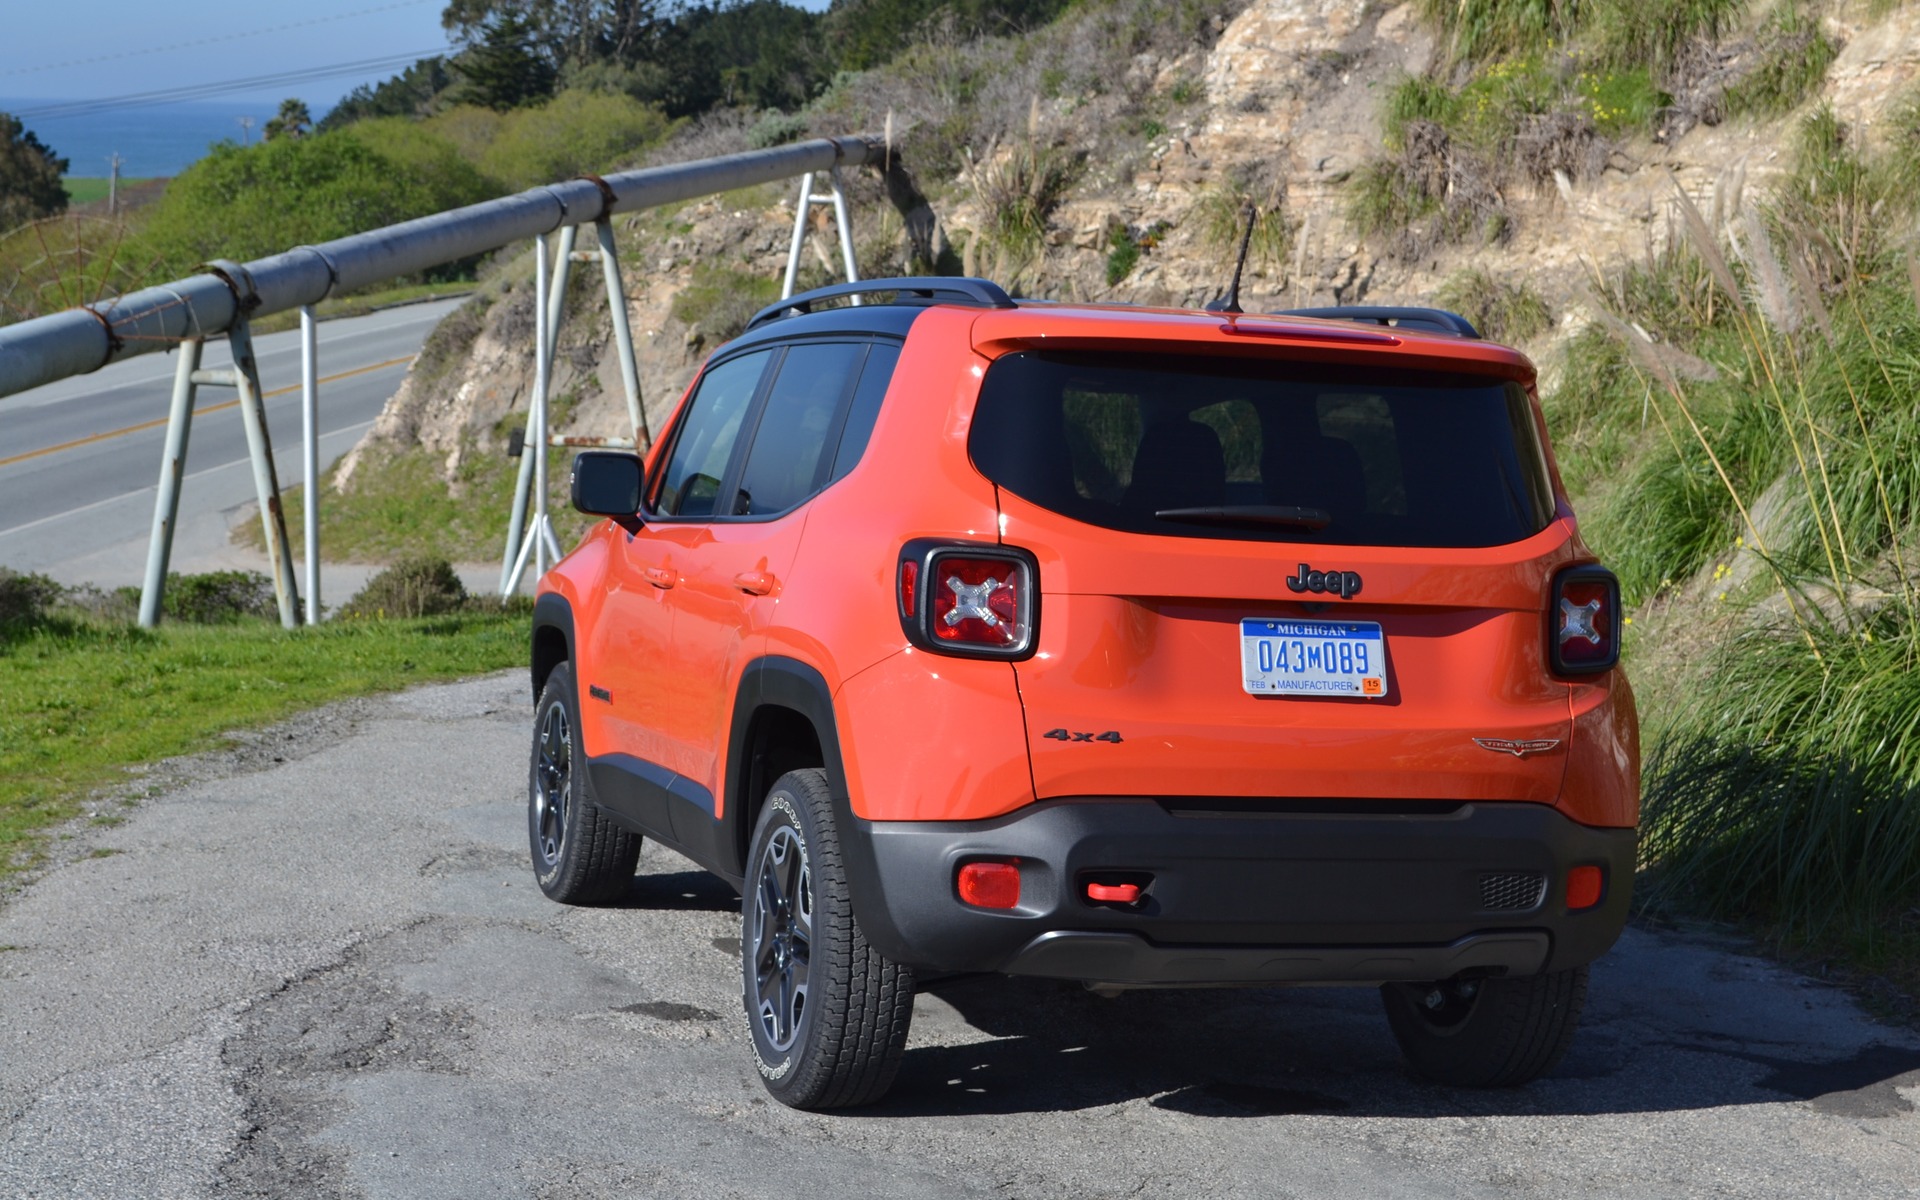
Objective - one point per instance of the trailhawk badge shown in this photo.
(1518, 749)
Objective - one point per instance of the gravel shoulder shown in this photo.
(318, 966)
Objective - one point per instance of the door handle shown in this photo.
(661, 577)
(754, 583)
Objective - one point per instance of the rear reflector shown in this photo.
(990, 884)
(1584, 886)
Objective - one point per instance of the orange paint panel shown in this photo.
(1165, 676)
(929, 738)
(1603, 770)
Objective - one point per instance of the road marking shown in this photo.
(212, 408)
(152, 489)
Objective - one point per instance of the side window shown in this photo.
(788, 456)
(704, 444)
(865, 409)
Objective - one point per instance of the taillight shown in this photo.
(1583, 620)
(969, 599)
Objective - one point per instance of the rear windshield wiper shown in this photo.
(1249, 514)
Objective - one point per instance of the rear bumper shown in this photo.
(1241, 892)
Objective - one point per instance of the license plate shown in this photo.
(1312, 658)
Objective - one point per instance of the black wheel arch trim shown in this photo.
(551, 612)
(777, 681)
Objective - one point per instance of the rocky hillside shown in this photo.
(1109, 157)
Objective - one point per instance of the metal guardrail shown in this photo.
(226, 298)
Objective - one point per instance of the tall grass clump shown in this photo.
(1793, 793)
(1788, 791)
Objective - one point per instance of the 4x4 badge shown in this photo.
(1517, 749)
(1344, 584)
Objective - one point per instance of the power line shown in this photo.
(209, 41)
(200, 91)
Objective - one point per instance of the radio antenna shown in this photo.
(1230, 303)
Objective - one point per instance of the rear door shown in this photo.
(733, 565)
(1278, 579)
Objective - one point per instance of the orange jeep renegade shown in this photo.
(1131, 646)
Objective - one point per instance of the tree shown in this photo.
(30, 174)
(408, 94)
(293, 121)
(506, 69)
(565, 32)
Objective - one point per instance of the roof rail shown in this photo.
(1417, 318)
(925, 289)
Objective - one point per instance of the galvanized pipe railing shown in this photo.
(85, 339)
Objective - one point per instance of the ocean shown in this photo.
(158, 140)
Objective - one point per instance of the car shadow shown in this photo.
(1323, 1051)
(679, 891)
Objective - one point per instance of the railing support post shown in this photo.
(266, 481)
(549, 304)
(166, 504)
(310, 464)
(801, 208)
(623, 335)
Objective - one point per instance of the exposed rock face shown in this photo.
(1292, 94)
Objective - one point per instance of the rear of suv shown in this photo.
(1134, 647)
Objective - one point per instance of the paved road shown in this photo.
(79, 459)
(332, 976)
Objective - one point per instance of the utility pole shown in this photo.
(113, 184)
(246, 131)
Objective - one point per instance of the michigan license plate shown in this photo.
(1312, 658)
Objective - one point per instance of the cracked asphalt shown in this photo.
(321, 968)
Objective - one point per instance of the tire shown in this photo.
(579, 855)
(826, 1013)
(1499, 1032)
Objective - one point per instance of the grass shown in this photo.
(83, 701)
(86, 190)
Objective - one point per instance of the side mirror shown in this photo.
(607, 483)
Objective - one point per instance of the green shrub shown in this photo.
(1795, 53)
(245, 203)
(26, 598)
(218, 597)
(1504, 312)
(575, 133)
(1123, 254)
(420, 586)
(449, 174)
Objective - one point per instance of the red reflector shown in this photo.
(909, 576)
(978, 601)
(1584, 887)
(990, 884)
(1117, 893)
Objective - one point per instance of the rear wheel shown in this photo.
(1498, 1032)
(579, 855)
(827, 1014)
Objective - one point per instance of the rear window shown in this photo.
(1268, 450)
